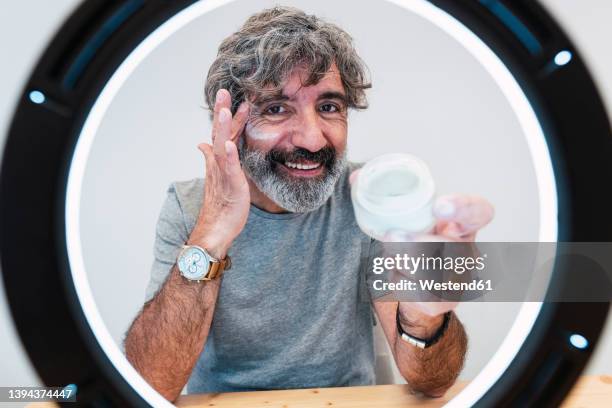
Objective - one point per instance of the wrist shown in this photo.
(214, 244)
(418, 324)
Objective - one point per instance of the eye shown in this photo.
(275, 109)
(329, 108)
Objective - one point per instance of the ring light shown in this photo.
(535, 65)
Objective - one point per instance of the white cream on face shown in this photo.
(257, 134)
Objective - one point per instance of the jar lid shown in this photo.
(395, 183)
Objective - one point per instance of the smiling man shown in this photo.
(294, 149)
(276, 199)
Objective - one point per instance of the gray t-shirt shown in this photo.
(291, 311)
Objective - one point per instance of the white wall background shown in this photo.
(455, 119)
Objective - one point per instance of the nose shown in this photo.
(309, 133)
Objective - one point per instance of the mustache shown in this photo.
(326, 155)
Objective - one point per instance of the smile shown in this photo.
(302, 166)
(303, 169)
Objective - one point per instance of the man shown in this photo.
(276, 198)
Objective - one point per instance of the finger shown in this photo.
(222, 100)
(232, 168)
(397, 235)
(454, 230)
(431, 238)
(239, 121)
(209, 157)
(353, 176)
(467, 213)
(223, 134)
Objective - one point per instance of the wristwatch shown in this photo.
(196, 264)
(423, 343)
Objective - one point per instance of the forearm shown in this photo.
(167, 337)
(434, 369)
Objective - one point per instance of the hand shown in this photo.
(459, 217)
(226, 203)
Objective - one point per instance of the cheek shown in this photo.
(261, 135)
(337, 135)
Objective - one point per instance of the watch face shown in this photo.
(193, 263)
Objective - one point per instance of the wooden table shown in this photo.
(589, 392)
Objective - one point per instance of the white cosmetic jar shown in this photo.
(393, 192)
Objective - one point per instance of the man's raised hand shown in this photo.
(225, 207)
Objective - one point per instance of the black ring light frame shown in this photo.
(100, 34)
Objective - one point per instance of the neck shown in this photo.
(261, 201)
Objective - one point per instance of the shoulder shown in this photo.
(188, 191)
(188, 194)
(341, 216)
(352, 166)
(341, 198)
(343, 187)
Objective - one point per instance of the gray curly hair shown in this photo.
(257, 59)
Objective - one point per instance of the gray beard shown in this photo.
(294, 195)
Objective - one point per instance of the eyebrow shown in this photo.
(275, 97)
(334, 95)
(278, 97)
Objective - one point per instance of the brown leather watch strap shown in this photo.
(217, 268)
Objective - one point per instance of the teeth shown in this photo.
(301, 166)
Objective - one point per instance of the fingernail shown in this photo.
(224, 115)
(219, 93)
(444, 208)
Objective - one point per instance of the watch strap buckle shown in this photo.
(218, 266)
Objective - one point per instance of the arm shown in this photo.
(167, 337)
(434, 369)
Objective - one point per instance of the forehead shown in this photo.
(331, 81)
(294, 88)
